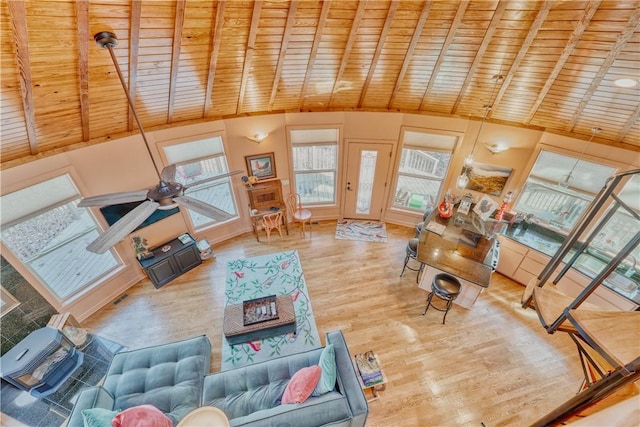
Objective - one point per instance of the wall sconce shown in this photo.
(496, 148)
(258, 137)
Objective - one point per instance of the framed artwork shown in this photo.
(485, 207)
(262, 166)
(488, 179)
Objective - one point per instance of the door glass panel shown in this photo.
(365, 181)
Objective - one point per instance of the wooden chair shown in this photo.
(298, 213)
(272, 221)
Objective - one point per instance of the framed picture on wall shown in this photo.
(488, 179)
(262, 166)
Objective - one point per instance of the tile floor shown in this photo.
(54, 409)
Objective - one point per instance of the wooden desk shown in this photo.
(263, 196)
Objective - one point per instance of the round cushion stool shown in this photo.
(412, 253)
(209, 416)
(447, 288)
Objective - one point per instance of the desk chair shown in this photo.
(298, 213)
(272, 221)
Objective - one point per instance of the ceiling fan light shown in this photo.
(168, 207)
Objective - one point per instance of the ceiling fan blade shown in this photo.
(213, 178)
(113, 198)
(203, 208)
(122, 227)
(168, 174)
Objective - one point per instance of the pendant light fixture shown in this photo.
(566, 180)
(463, 179)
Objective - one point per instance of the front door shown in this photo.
(367, 176)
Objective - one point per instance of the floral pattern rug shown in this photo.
(274, 274)
(367, 231)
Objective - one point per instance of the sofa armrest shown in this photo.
(348, 379)
(94, 397)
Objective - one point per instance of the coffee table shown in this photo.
(236, 332)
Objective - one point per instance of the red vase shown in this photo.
(445, 209)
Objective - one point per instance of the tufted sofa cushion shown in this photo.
(167, 376)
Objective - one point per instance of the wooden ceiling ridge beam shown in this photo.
(415, 38)
(488, 35)
(134, 50)
(457, 20)
(633, 118)
(590, 10)
(314, 50)
(178, 26)
(286, 37)
(216, 42)
(541, 17)
(376, 56)
(18, 14)
(82, 18)
(621, 42)
(355, 24)
(248, 53)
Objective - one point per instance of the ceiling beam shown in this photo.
(457, 20)
(134, 48)
(18, 16)
(589, 11)
(376, 57)
(541, 16)
(633, 118)
(216, 41)
(621, 43)
(417, 33)
(347, 48)
(178, 26)
(82, 19)
(314, 50)
(248, 53)
(286, 36)
(488, 35)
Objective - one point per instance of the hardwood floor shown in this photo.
(493, 364)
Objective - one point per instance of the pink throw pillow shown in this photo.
(141, 416)
(302, 384)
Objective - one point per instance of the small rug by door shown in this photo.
(367, 231)
(274, 274)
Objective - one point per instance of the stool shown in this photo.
(412, 253)
(447, 288)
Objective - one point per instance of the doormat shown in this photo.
(366, 231)
(274, 274)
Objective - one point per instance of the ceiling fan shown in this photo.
(165, 195)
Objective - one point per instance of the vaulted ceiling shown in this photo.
(189, 61)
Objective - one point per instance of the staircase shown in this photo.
(608, 341)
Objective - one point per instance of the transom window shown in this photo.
(199, 162)
(43, 227)
(424, 163)
(315, 160)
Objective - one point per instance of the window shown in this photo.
(197, 163)
(43, 227)
(553, 204)
(423, 166)
(315, 160)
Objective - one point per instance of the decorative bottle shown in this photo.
(504, 205)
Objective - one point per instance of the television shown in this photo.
(113, 213)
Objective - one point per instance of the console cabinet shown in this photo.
(166, 265)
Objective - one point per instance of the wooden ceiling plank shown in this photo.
(215, 52)
(621, 43)
(326, 4)
(376, 56)
(178, 26)
(291, 20)
(455, 24)
(134, 48)
(415, 38)
(353, 32)
(589, 11)
(629, 124)
(18, 15)
(493, 26)
(82, 18)
(248, 53)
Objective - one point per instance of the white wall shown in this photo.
(124, 165)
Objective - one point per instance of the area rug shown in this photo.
(367, 231)
(274, 274)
